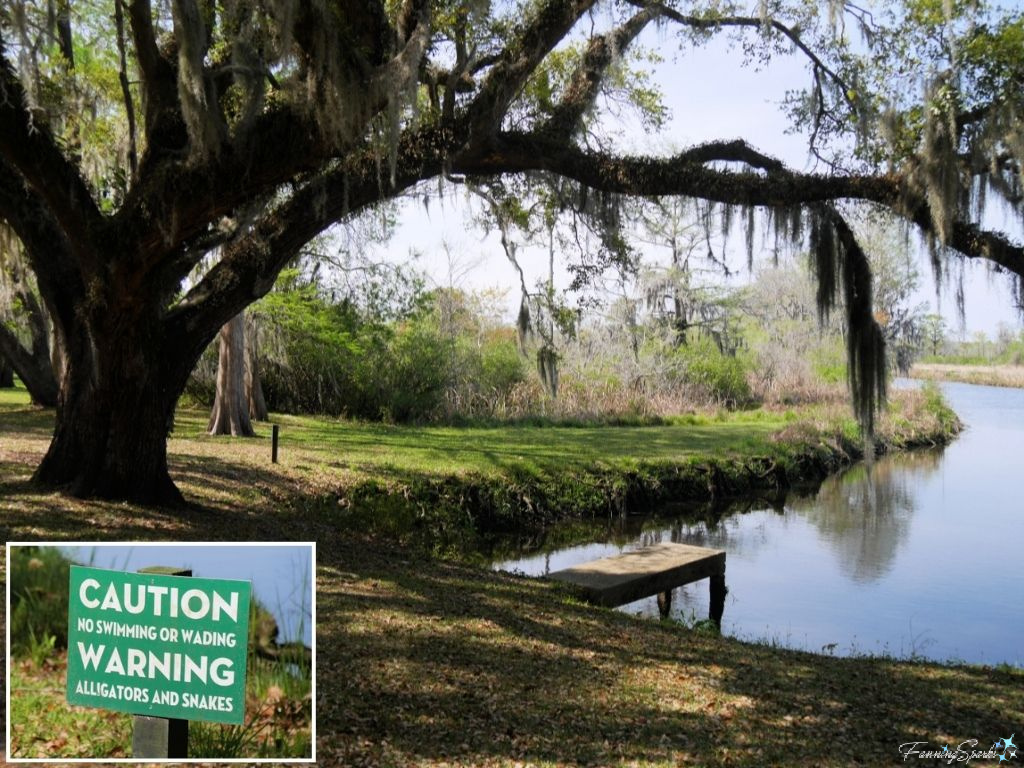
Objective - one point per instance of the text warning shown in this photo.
(163, 646)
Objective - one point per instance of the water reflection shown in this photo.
(864, 514)
(909, 558)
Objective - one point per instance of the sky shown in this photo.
(281, 575)
(710, 96)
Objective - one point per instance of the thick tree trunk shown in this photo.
(56, 354)
(230, 414)
(118, 391)
(6, 374)
(253, 385)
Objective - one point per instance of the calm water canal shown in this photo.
(920, 556)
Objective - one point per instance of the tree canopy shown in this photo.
(137, 139)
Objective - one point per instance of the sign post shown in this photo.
(156, 737)
(166, 648)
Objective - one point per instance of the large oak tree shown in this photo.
(253, 125)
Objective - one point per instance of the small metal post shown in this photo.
(273, 443)
(160, 737)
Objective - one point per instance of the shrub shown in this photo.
(720, 378)
(937, 407)
(501, 365)
(406, 380)
(39, 599)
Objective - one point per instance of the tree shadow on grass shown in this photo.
(429, 662)
(29, 513)
(225, 501)
(26, 421)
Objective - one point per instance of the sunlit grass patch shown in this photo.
(442, 487)
(14, 397)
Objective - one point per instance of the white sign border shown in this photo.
(132, 760)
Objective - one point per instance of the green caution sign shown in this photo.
(163, 646)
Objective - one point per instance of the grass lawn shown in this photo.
(383, 476)
(315, 442)
(312, 447)
(375, 448)
(442, 487)
(422, 661)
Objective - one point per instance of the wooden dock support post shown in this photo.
(160, 737)
(273, 443)
(665, 603)
(718, 592)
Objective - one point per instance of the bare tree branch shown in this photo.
(159, 81)
(711, 23)
(126, 92)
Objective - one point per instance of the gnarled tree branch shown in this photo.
(29, 148)
(250, 265)
(158, 82)
(47, 248)
(586, 81)
(544, 30)
(688, 174)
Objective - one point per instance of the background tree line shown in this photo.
(665, 337)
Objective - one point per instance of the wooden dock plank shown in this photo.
(629, 576)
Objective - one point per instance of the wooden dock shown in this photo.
(653, 570)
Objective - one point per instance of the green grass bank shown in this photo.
(443, 488)
(980, 373)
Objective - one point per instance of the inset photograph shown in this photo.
(161, 651)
